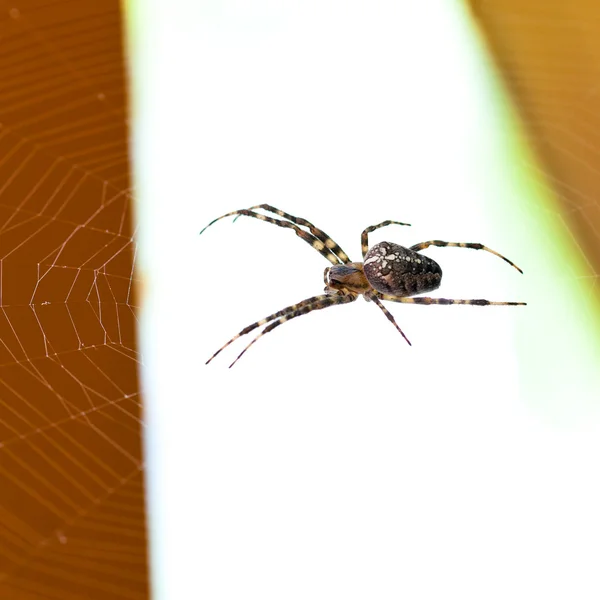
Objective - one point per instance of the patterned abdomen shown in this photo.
(399, 271)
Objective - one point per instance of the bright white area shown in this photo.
(335, 461)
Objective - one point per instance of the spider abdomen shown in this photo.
(399, 271)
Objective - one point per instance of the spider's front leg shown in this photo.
(268, 319)
(303, 308)
(286, 314)
(319, 234)
(317, 238)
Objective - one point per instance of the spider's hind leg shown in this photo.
(427, 300)
(473, 246)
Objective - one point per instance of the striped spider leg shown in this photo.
(389, 272)
(446, 301)
(291, 312)
(473, 246)
(317, 238)
(285, 314)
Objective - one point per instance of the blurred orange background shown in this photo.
(548, 54)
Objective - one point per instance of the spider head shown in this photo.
(346, 278)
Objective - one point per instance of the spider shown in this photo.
(388, 272)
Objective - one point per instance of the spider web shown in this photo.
(71, 479)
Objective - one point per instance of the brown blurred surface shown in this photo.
(72, 522)
(549, 54)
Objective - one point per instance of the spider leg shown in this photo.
(364, 236)
(389, 315)
(322, 302)
(264, 321)
(473, 246)
(426, 300)
(316, 243)
(318, 233)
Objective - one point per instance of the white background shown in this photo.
(335, 461)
